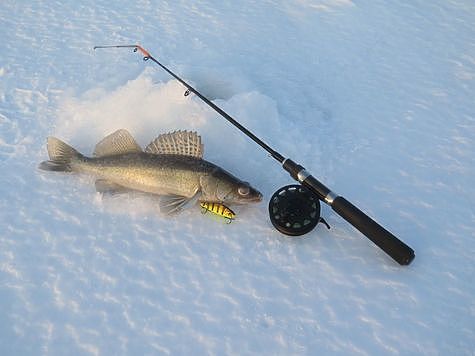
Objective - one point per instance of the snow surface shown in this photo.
(375, 98)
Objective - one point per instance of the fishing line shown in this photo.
(293, 209)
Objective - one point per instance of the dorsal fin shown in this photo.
(121, 141)
(184, 143)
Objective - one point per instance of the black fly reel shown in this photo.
(294, 210)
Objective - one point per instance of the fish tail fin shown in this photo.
(60, 154)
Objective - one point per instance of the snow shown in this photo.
(374, 98)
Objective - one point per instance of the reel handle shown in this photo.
(381, 237)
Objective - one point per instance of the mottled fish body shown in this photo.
(171, 166)
(156, 174)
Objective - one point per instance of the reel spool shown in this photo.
(294, 210)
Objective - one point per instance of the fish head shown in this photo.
(221, 186)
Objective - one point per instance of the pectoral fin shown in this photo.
(172, 204)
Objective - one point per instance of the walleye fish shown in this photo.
(172, 166)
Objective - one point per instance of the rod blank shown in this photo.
(385, 240)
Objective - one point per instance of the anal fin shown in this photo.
(105, 186)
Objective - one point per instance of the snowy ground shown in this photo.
(375, 98)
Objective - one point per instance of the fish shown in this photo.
(171, 167)
(218, 209)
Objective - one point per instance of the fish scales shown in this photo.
(158, 174)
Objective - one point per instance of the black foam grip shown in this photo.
(389, 243)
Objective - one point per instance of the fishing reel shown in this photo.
(294, 210)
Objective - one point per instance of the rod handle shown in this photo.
(385, 240)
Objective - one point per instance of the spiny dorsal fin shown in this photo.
(116, 143)
(184, 143)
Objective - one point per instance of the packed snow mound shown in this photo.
(148, 108)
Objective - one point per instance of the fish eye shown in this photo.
(243, 190)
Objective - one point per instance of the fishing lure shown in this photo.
(218, 209)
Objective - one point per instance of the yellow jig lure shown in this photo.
(218, 209)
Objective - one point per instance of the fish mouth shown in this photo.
(257, 198)
(254, 199)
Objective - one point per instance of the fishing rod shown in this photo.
(295, 209)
